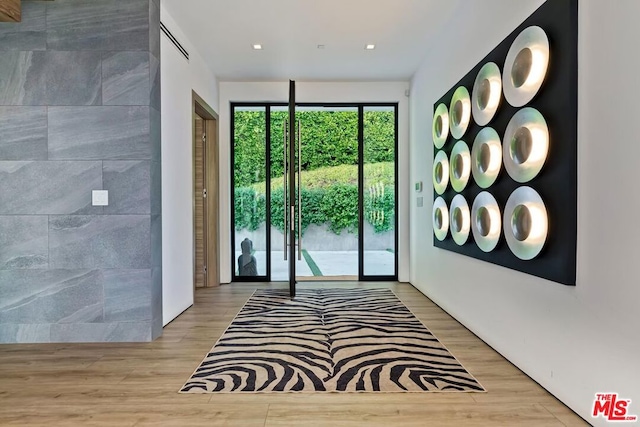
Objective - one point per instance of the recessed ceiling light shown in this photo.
(257, 46)
(370, 46)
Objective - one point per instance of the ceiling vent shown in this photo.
(174, 40)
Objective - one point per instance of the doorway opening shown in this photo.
(205, 194)
(345, 186)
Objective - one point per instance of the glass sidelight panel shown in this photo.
(249, 192)
(379, 191)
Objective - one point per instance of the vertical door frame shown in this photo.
(361, 161)
(211, 183)
(232, 108)
(295, 209)
(361, 106)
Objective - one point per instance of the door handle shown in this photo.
(284, 188)
(299, 191)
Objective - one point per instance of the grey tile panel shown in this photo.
(30, 33)
(156, 2)
(23, 40)
(11, 333)
(98, 25)
(156, 328)
(155, 100)
(24, 242)
(129, 186)
(156, 188)
(99, 133)
(130, 30)
(73, 78)
(23, 133)
(154, 29)
(110, 241)
(125, 78)
(101, 332)
(127, 295)
(155, 134)
(156, 295)
(51, 296)
(23, 79)
(41, 188)
(156, 241)
(50, 78)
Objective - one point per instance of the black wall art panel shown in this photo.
(518, 159)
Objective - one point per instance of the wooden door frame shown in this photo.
(211, 178)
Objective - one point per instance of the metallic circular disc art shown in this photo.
(486, 221)
(460, 166)
(525, 223)
(440, 219)
(440, 172)
(460, 219)
(525, 145)
(486, 157)
(486, 94)
(526, 66)
(440, 128)
(459, 112)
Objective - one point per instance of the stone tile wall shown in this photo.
(80, 111)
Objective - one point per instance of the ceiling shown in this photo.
(223, 31)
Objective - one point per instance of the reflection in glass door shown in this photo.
(345, 191)
(379, 172)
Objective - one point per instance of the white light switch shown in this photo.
(100, 198)
(419, 202)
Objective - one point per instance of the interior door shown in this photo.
(200, 203)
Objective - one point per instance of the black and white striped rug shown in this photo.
(328, 340)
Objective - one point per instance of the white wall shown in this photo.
(574, 341)
(314, 92)
(179, 78)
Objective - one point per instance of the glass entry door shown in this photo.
(315, 191)
(326, 193)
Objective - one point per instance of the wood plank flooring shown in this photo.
(137, 384)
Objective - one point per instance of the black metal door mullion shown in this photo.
(268, 189)
(232, 193)
(292, 188)
(360, 192)
(396, 195)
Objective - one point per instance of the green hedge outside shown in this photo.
(336, 206)
(330, 138)
(330, 171)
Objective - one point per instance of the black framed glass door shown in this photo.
(341, 186)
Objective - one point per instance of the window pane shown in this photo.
(249, 174)
(379, 191)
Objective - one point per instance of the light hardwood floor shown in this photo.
(137, 384)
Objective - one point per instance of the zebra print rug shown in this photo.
(328, 340)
